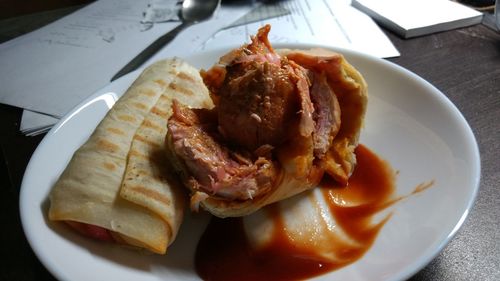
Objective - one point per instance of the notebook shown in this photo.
(411, 18)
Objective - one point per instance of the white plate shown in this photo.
(409, 123)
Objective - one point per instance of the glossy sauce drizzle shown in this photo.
(224, 252)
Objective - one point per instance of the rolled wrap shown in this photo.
(297, 175)
(350, 89)
(119, 179)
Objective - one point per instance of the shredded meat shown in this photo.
(214, 168)
(254, 108)
(326, 115)
(272, 114)
(260, 95)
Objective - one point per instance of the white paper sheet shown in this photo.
(330, 23)
(53, 69)
(33, 123)
(186, 42)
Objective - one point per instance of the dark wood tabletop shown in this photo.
(464, 64)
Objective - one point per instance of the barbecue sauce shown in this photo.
(224, 252)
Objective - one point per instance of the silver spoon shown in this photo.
(193, 11)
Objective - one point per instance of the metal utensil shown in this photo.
(193, 11)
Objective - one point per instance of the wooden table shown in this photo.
(464, 64)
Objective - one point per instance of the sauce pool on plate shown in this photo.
(224, 251)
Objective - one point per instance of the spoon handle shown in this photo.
(152, 49)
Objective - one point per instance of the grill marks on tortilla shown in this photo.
(138, 154)
(181, 89)
(105, 145)
(127, 118)
(140, 105)
(116, 131)
(145, 139)
(160, 112)
(109, 166)
(152, 125)
(143, 182)
(152, 194)
(184, 76)
(147, 166)
(148, 93)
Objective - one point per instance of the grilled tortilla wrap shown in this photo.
(119, 179)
